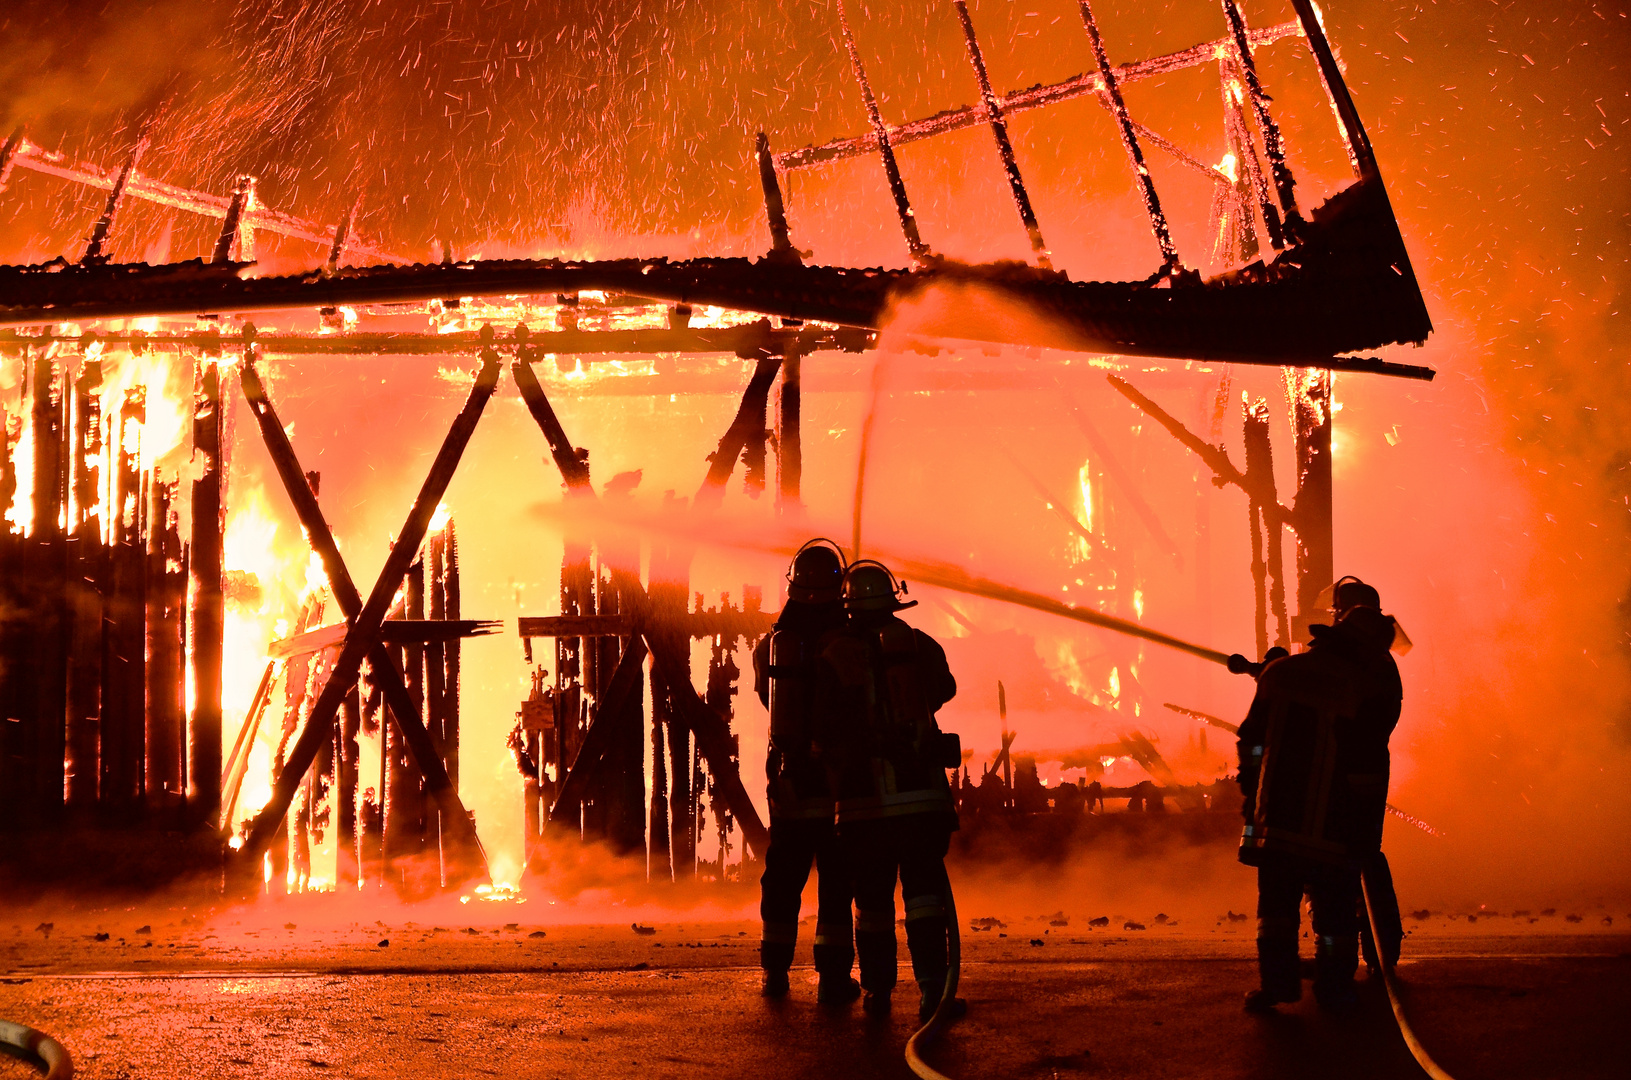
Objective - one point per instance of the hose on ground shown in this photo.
(1385, 963)
(944, 1013)
(38, 1049)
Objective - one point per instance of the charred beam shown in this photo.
(568, 459)
(999, 131)
(715, 743)
(206, 560)
(1273, 146)
(750, 418)
(897, 189)
(8, 155)
(234, 227)
(600, 739)
(781, 244)
(1129, 139)
(49, 163)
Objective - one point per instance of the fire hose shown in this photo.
(1384, 964)
(946, 1011)
(37, 1049)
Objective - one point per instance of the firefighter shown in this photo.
(882, 683)
(801, 804)
(1314, 772)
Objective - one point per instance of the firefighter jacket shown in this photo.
(1313, 749)
(882, 682)
(784, 677)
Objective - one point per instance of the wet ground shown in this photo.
(254, 994)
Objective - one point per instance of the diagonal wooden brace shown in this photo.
(596, 741)
(469, 857)
(713, 740)
(363, 640)
(749, 415)
(573, 469)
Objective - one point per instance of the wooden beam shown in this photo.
(393, 632)
(750, 416)
(574, 626)
(207, 627)
(574, 469)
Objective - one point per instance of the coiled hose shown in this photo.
(1385, 963)
(943, 1013)
(38, 1049)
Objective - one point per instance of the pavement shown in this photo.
(300, 989)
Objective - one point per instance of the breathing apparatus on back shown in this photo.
(815, 578)
(897, 703)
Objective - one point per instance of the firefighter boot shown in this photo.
(926, 941)
(875, 950)
(834, 956)
(1336, 958)
(1279, 977)
(775, 957)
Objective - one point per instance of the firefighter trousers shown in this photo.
(796, 843)
(913, 849)
(1333, 892)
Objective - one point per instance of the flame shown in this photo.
(1081, 548)
(438, 522)
(1230, 167)
(260, 608)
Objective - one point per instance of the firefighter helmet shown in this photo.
(817, 574)
(1349, 592)
(869, 585)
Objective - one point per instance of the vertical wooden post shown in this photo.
(165, 656)
(87, 572)
(672, 807)
(45, 566)
(405, 825)
(452, 592)
(573, 659)
(206, 555)
(789, 437)
(12, 597)
(124, 660)
(348, 861)
(1312, 511)
(658, 867)
(1268, 565)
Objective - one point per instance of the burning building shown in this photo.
(177, 655)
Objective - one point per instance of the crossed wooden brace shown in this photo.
(363, 639)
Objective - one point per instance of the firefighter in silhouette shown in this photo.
(1314, 772)
(801, 803)
(882, 683)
